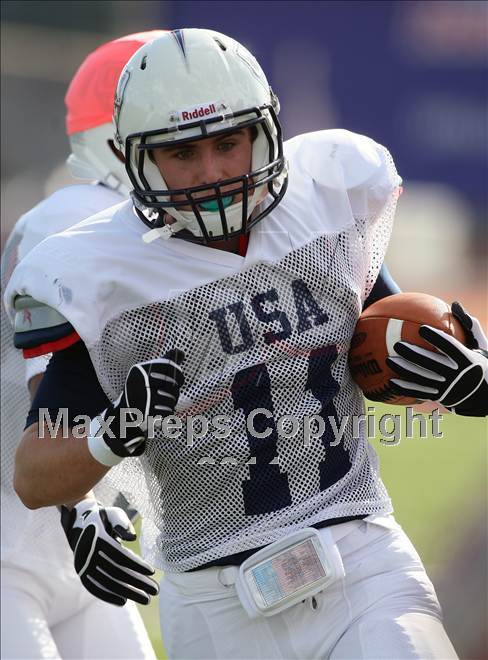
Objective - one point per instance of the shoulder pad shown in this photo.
(40, 329)
(362, 162)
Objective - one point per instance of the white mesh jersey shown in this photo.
(270, 330)
(34, 537)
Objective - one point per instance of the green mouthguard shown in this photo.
(213, 205)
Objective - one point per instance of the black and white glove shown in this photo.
(151, 391)
(106, 568)
(456, 377)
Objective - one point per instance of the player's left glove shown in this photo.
(106, 568)
(457, 377)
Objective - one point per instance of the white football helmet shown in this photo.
(187, 85)
(89, 109)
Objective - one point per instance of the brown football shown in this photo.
(381, 325)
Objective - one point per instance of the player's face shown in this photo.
(206, 161)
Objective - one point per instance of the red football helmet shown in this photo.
(89, 103)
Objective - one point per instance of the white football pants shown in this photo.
(50, 617)
(384, 607)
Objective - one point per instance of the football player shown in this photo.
(45, 610)
(227, 290)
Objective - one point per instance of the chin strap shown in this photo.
(163, 232)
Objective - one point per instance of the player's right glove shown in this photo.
(151, 390)
(106, 568)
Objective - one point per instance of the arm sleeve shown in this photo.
(69, 383)
(384, 286)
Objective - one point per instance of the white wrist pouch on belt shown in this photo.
(287, 572)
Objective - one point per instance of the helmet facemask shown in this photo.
(259, 190)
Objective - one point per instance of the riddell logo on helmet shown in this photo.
(198, 112)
